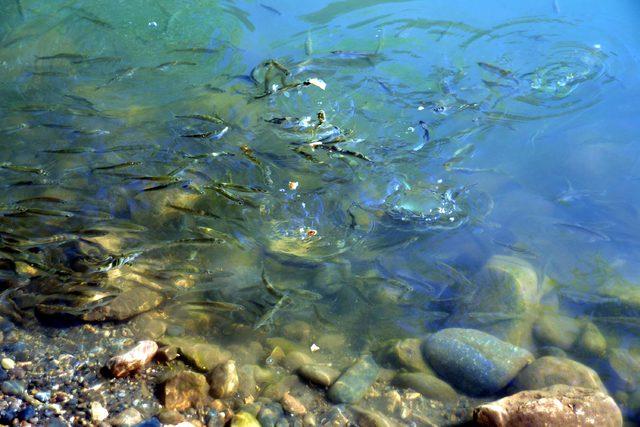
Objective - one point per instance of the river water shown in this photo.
(358, 168)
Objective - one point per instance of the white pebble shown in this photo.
(98, 412)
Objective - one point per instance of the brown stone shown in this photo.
(292, 405)
(550, 370)
(133, 359)
(186, 389)
(555, 406)
(223, 380)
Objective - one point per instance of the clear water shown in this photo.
(531, 109)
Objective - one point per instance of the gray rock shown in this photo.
(293, 360)
(269, 414)
(547, 371)
(317, 374)
(427, 385)
(371, 418)
(556, 406)
(127, 418)
(13, 388)
(354, 383)
(223, 380)
(474, 361)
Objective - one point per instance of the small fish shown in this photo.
(116, 166)
(97, 60)
(516, 248)
(488, 318)
(216, 305)
(192, 211)
(197, 135)
(120, 75)
(47, 199)
(459, 155)
(268, 317)
(271, 9)
(203, 117)
(269, 287)
(194, 50)
(425, 135)
(114, 262)
(458, 277)
(213, 88)
(166, 65)
(22, 168)
(97, 21)
(556, 7)
(495, 69)
(589, 231)
(68, 56)
(84, 101)
(308, 45)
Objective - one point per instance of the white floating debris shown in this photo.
(317, 82)
(420, 108)
(314, 348)
(153, 24)
(293, 185)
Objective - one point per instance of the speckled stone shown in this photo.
(473, 361)
(354, 383)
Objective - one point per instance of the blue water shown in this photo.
(531, 111)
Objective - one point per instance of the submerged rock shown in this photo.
(184, 390)
(201, 355)
(556, 406)
(126, 305)
(370, 418)
(244, 419)
(318, 374)
(591, 342)
(557, 330)
(133, 359)
(547, 371)
(427, 385)
(626, 366)
(353, 384)
(505, 303)
(406, 354)
(269, 414)
(223, 380)
(127, 418)
(292, 405)
(474, 361)
(98, 412)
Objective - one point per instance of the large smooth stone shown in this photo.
(547, 371)
(427, 385)
(223, 380)
(556, 406)
(354, 383)
(473, 361)
(557, 330)
(625, 364)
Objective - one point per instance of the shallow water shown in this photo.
(361, 225)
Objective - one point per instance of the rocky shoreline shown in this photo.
(526, 369)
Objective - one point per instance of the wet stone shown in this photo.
(148, 326)
(186, 389)
(292, 405)
(127, 418)
(555, 406)
(133, 359)
(223, 380)
(7, 363)
(125, 306)
(98, 412)
(13, 388)
(547, 371)
(626, 367)
(26, 414)
(591, 341)
(473, 361)
(269, 414)
(170, 416)
(167, 353)
(244, 419)
(354, 383)
(406, 354)
(370, 418)
(317, 374)
(200, 355)
(427, 385)
(557, 330)
(295, 359)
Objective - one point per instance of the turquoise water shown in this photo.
(177, 146)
